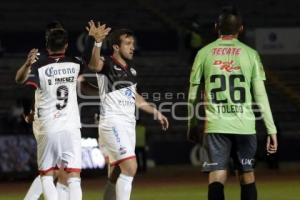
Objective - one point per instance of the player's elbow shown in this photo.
(95, 66)
(19, 80)
(92, 67)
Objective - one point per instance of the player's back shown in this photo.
(56, 106)
(228, 67)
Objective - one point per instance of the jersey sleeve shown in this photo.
(106, 65)
(197, 69)
(33, 77)
(258, 72)
(261, 98)
(82, 64)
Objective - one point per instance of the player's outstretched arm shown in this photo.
(142, 104)
(261, 98)
(24, 70)
(98, 32)
(193, 99)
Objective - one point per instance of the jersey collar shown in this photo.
(118, 63)
(227, 37)
(57, 55)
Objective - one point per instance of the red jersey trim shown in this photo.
(43, 172)
(122, 160)
(32, 84)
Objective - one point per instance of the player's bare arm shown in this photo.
(24, 70)
(142, 104)
(98, 32)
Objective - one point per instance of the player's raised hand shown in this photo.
(101, 32)
(272, 144)
(32, 57)
(91, 28)
(98, 31)
(163, 121)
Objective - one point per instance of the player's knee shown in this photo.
(73, 174)
(246, 177)
(130, 171)
(74, 182)
(218, 176)
(129, 168)
(62, 178)
(115, 174)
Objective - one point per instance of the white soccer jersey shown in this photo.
(56, 106)
(117, 89)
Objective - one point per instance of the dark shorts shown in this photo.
(221, 148)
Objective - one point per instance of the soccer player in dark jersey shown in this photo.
(230, 70)
(119, 98)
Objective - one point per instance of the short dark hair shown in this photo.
(115, 36)
(57, 39)
(229, 21)
(53, 25)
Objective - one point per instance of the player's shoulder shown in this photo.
(41, 61)
(209, 46)
(206, 49)
(247, 48)
(108, 62)
(73, 59)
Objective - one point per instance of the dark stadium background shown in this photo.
(168, 35)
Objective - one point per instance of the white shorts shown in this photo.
(60, 149)
(102, 148)
(118, 140)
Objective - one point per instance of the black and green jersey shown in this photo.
(228, 68)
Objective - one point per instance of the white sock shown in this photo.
(109, 192)
(62, 191)
(35, 190)
(49, 189)
(123, 187)
(75, 192)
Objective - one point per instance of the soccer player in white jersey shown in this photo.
(119, 98)
(35, 190)
(56, 124)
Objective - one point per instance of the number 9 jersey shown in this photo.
(228, 68)
(56, 106)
